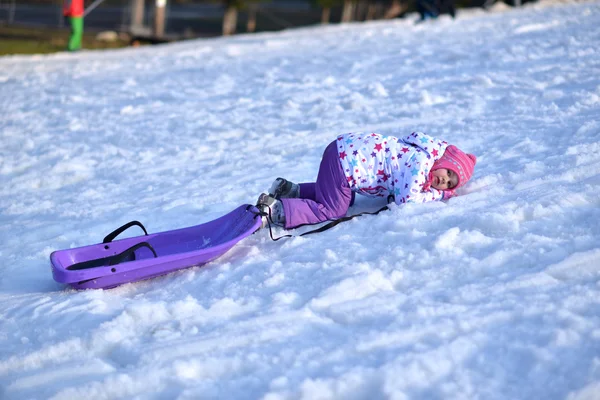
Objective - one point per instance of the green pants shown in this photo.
(76, 33)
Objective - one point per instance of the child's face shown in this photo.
(444, 179)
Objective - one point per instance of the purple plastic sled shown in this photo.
(106, 265)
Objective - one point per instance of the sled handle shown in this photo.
(111, 236)
(126, 255)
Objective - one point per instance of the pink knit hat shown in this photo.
(456, 160)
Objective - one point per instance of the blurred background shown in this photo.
(40, 26)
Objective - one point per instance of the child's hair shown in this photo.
(462, 164)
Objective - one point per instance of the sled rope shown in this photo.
(322, 228)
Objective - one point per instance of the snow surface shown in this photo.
(492, 295)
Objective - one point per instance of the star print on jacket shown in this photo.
(379, 166)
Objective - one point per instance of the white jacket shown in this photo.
(380, 166)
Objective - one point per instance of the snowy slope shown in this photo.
(492, 295)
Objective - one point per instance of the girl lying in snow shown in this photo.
(417, 168)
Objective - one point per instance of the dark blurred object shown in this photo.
(427, 9)
(447, 7)
(431, 9)
(8, 8)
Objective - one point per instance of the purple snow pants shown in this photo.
(328, 198)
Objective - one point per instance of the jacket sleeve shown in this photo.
(428, 150)
(411, 189)
(431, 145)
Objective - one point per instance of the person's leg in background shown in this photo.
(76, 33)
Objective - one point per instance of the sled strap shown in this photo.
(326, 226)
(127, 255)
(111, 236)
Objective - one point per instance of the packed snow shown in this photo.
(494, 294)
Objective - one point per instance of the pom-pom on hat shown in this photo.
(459, 162)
